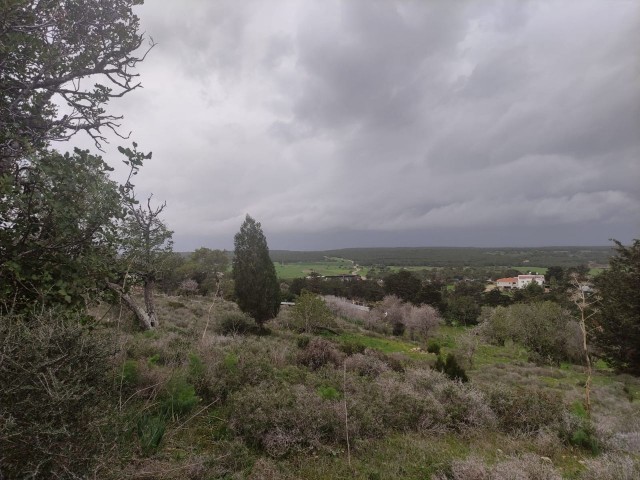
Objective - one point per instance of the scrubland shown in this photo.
(208, 395)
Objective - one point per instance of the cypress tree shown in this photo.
(256, 285)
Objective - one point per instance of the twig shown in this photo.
(215, 296)
(346, 414)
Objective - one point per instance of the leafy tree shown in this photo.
(431, 294)
(463, 309)
(77, 54)
(256, 285)
(531, 293)
(617, 326)
(495, 298)
(205, 266)
(57, 231)
(555, 275)
(311, 314)
(404, 285)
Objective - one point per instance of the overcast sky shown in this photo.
(381, 123)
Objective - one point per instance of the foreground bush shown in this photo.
(54, 397)
(525, 410)
(525, 467)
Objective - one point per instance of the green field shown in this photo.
(332, 266)
(339, 266)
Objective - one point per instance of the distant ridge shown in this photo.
(565, 256)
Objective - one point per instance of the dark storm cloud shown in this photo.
(393, 122)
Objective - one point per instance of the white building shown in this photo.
(525, 280)
(521, 281)
(509, 282)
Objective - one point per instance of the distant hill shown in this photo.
(460, 256)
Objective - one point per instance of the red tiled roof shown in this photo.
(507, 280)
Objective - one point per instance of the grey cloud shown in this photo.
(353, 122)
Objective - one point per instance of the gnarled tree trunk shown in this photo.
(146, 321)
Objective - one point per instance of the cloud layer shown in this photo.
(358, 122)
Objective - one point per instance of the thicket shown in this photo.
(397, 317)
(57, 403)
(545, 329)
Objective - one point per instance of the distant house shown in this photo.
(526, 280)
(521, 281)
(347, 277)
(509, 282)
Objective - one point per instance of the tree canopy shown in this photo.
(60, 64)
(617, 326)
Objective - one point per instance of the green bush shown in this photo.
(433, 347)
(150, 430)
(236, 323)
(577, 429)
(451, 368)
(328, 393)
(178, 398)
(351, 347)
(303, 341)
(129, 374)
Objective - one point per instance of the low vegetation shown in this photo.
(208, 395)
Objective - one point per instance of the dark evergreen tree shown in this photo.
(404, 285)
(256, 284)
(617, 326)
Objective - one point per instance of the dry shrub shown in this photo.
(525, 410)
(404, 408)
(266, 469)
(393, 315)
(472, 468)
(466, 408)
(319, 352)
(422, 322)
(628, 442)
(365, 365)
(611, 467)
(387, 315)
(281, 419)
(239, 363)
(345, 309)
(57, 403)
(525, 467)
(547, 442)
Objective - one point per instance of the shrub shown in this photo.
(351, 347)
(236, 323)
(303, 341)
(611, 467)
(328, 393)
(365, 365)
(178, 398)
(524, 409)
(576, 429)
(281, 419)
(451, 368)
(150, 431)
(129, 374)
(433, 347)
(56, 395)
(545, 329)
(319, 352)
(310, 314)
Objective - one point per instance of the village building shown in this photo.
(521, 281)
